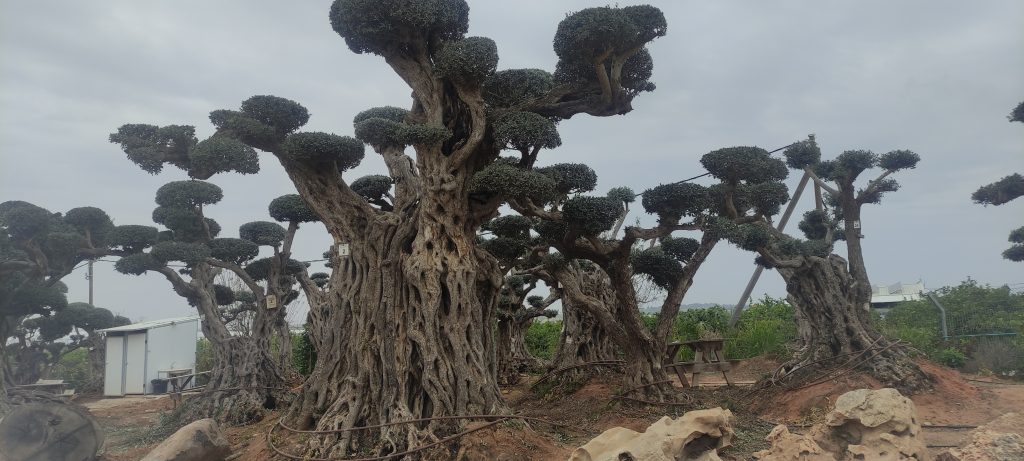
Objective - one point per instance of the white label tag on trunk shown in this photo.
(342, 249)
(271, 302)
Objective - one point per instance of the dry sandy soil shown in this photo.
(956, 400)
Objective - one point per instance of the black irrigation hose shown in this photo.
(445, 440)
(498, 419)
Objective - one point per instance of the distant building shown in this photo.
(884, 297)
(141, 352)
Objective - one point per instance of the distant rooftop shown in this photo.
(897, 292)
(151, 324)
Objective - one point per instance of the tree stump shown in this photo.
(49, 431)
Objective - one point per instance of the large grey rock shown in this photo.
(865, 424)
(695, 436)
(199, 441)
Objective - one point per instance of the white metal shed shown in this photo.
(138, 353)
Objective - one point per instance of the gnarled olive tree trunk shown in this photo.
(245, 378)
(583, 339)
(410, 328)
(512, 356)
(834, 324)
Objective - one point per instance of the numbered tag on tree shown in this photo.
(271, 302)
(343, 249)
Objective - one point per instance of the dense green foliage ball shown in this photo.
(593, 32)
(188, 194)
(150, 146)
(291, 208)
(422, 134)
(220, 154)
(750, 164)
(524, 131)
(263, 233)
(510, 226)
(233, 250)
(320, 147)
(133, 238)
(802, 154)
(137, 264)
(766, 198)
(815, 224)
(24, 220)
(505, 249)
(898, 160)
(663, 269)
(380, 26)
(223, 295)
(1000, 192)
(92, 220)
(673, 201)
(390, 113)
(245, 128)
(504, 179)
(372, 187)
(571, 178)
(622, 194)
(512, 87)
(471, 59)
(681, 249)
(284, 115)
(591, 215)
(188, 253)
(260, 269)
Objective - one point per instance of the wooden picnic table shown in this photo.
(708, 355)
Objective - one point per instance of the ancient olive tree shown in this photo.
(413, 298)
(1003, 191)
(509, 242)
(831, 294)
(37, 249)
(578, 228)
(245, 377)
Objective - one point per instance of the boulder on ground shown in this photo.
(696, 436)
(865, 424)
(999, 440)
(199, 441)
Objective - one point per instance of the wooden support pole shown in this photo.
(757, 272)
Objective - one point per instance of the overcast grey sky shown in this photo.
(935, 77)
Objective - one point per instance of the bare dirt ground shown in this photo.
(956, 400)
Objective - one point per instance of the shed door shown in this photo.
(135, 363)
(113, 375)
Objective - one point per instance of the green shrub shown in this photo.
(951, 357)
(542, 338)
(204, 360)
(74, 369)
(303, 353)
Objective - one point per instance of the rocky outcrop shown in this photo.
(865, 424)
(199, 441)
(696, 436)
(999, 440)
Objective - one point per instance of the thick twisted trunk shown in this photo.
(834, 324)
(410, 332)
(245, 378)
(583, 338)
(512, 356)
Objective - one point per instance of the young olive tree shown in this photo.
(414, 295)
(1004, 191)
(831, 294)
(37, 249)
